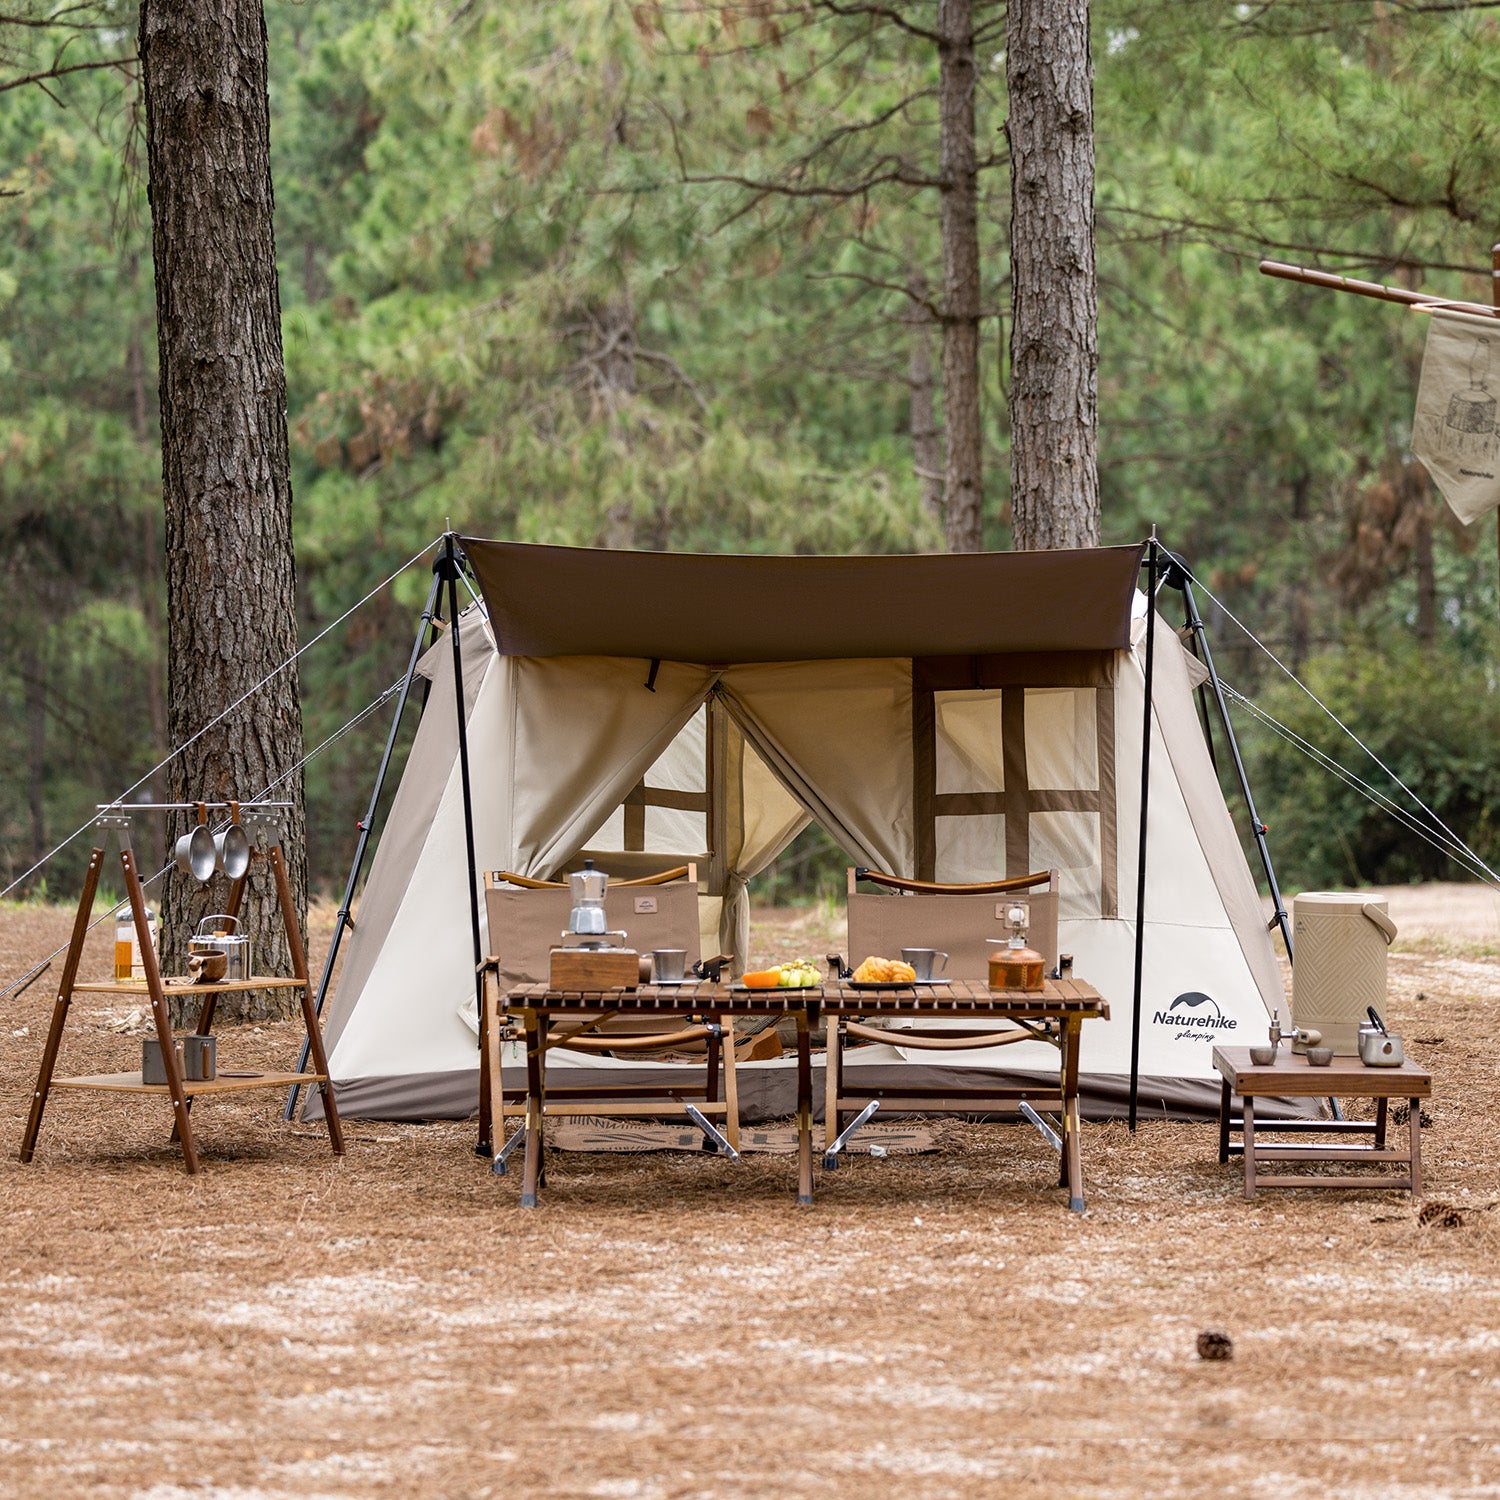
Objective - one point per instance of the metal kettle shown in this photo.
(220, 933)
(1378, 1048)
(588, 886)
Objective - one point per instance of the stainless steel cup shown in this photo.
(925, 960)
(153, 1069)
(668, 965)
(199, 1057)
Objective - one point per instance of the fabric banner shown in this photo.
(1454, 431)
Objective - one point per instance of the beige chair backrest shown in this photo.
(527, 923)
(955, 920)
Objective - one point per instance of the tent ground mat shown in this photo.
(768, 1092)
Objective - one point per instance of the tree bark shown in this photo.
(963, 468)
(226, 488)
(1054, 391)
(926, 435)
(149, 598)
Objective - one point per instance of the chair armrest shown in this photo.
(934, 887)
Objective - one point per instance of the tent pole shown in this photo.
(366, 826)
(448, 565)
(1140, 870)
(1180, 576)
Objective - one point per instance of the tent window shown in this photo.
(1011, 779)
(666, 812)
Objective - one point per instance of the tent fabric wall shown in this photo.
(557, 741)
(431, 759)
(760, 819)
(586, 730)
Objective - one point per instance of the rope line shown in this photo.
(1459, 853)
(338, 734)
(223, 714)
(1436, 822)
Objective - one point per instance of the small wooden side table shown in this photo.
(1291, 1076)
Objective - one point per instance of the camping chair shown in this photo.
(526, 919)
(958, 919)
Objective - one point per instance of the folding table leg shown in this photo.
(1414, 1126)
(1382, 1112)
(804, 1111)
(1224, 1122)
(1247, 1136)
(1072, 1144)
(484, 1144)
(531, 1171)
(832, 1083)
(731, 1084)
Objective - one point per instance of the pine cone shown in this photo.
(1215, 1345)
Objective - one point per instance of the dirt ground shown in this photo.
(393, 1324)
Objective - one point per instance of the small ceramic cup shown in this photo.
(1262, 1057)
(1319, 1057)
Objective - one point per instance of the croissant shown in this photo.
(884, 971)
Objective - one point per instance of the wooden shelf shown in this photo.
(156, 992)
(183, 987)
(225, 1083)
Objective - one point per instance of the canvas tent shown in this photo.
(958, 718)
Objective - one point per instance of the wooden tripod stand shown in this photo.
(181, 1091)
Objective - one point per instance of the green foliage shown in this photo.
(1433, 718)
(535, 285)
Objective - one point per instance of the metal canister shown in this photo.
(153, 1067)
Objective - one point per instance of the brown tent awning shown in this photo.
(721, 609)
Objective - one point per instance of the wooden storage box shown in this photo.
(594, 969)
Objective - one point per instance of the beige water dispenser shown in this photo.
(1341, 939)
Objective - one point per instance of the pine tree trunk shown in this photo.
(963, 470)
(155, 790)
(1054, 391)
(926, 435)
(226, 488)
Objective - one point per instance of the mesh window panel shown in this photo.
(970, 848)
(1069, 843)
(970, 756)
(1062, 740)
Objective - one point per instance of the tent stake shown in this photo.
(1140, 870)
(448, 564)
(366, 826)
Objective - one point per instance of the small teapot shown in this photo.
(1379, 1048)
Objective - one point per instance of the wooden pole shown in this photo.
(160, 1013)
(1373, 289)
(61, 1004)
(288, 903)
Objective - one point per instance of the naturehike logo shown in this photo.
(1195, 1016)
